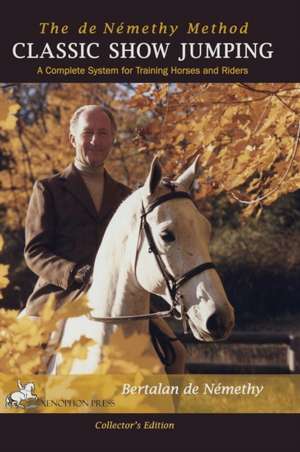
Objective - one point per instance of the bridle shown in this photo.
(173, 284)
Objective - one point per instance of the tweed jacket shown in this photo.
(63, 230)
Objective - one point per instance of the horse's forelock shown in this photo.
(169, 183)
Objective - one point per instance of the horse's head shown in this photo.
(29, 387)
(181, 235)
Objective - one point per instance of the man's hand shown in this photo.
(82, 274)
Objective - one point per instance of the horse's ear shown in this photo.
(188, 176)
(154, 177)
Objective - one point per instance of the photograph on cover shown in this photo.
(149, 228)
(149, 218)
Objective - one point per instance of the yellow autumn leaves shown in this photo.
(23, 340)
(27, 344)
(4, 281)
(122, 355)
(8, 110)
(129, 354)
(244, 134)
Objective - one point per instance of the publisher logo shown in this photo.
(22, 398)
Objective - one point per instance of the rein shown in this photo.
(173, 284)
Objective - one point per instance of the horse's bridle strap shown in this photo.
(127, 318)
(165, 198)
(195, 271)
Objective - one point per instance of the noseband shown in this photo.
(173, 284)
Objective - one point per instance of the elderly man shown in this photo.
(68, 214)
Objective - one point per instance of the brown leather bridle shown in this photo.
(173, 284)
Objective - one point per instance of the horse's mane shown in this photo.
(126, 214)
(122, 222)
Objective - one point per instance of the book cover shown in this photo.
(149, 204)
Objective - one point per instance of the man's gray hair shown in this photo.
(80, 110)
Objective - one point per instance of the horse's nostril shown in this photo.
(215, 325)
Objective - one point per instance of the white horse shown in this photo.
(25, 392)
(159, 217)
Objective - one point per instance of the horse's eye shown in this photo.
(168, 236)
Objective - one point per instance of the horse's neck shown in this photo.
(115, 291)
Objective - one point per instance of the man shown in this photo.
(68, 214)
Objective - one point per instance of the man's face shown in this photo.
(93, 137)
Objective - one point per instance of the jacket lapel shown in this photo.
(111, 197)
(75, 185)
